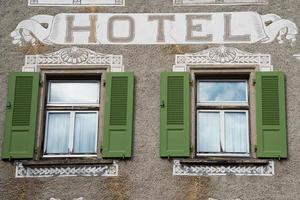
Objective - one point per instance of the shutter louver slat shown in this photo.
(271, 115)
(175, 100)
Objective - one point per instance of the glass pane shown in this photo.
(208, 132)
(73, 92)
(58, 133)
(85, 133)
(236, 132)
(222, 91)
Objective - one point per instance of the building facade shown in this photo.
(183, 99)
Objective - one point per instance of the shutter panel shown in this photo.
(21, 113)
(174, 114)
(271, 115)
(117, 136)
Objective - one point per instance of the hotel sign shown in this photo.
(155, 28)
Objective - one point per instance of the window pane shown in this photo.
(58, 133)
(85, 133)
(222, 91)
(73, 92)
(208, 132)
(236, 132)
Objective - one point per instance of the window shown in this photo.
(222, 117)
(71, 118)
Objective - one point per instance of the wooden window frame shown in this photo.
(68, 71)
(224, 71)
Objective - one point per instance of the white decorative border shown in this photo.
(68, 170)
(222, 56)
(219, 2)
(76, 57)
(76, 3)
(235, 169)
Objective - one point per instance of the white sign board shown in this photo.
(155, 28)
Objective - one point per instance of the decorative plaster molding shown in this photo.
(222, 56)
(76, 57)
(236, 169)
(218, 2)
(76, 3)
(65, 170)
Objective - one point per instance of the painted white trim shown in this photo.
(218, 2)
(223, 170)
(75, 57)
(297, 56)
(223, 56)
(76, 3)
(66, 171)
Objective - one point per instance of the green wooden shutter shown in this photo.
(271, 115)
(21, 113)
(117, 136)
(174, 114)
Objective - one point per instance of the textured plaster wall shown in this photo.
(146, 176)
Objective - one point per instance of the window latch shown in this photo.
(8, 105)
(162, 104)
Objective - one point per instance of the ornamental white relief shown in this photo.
(222, 56)
(66, 170)
(218, 2)
(236, 169)
(76, 3)
(74, 56)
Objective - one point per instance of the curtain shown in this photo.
(236, 132)
(208, 132)
(58, 133)
(85, 133)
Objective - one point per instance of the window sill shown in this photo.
(68, 161)
(224, 161)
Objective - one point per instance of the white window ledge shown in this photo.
(24, 171)
(213, 169)
(76, 3)
(219, 2)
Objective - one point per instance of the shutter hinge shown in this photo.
(254, 81)
(104, 83)
(101, 150)
(191, 148)
(41, 83)
(191, 82)
(255, 148)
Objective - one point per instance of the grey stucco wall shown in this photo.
(146, 175)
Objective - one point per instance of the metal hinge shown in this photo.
(41, 83)
(191, 82)
(104, 83)
(255, 148)
(254, 81)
